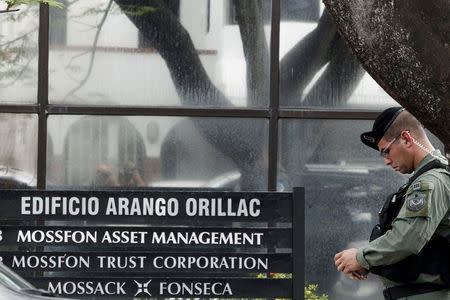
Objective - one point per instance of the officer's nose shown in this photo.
(387, 161)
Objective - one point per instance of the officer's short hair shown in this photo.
(405, 121)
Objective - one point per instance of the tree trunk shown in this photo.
(251, 26)
(404, 45)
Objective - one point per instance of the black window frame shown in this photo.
(274, 113)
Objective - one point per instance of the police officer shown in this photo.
(409, 249)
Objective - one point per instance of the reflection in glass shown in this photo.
(177, 53)
(437, 144)
(318, 70)
(18, 55)
(18, 152)
(99, 152)
(345, 184)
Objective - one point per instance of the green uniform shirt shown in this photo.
(426, 210)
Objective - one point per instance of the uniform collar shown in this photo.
(436, 154)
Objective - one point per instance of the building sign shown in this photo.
(143, 262)
(143, 287)
(121, 205)
(133, 238)
(155, 243)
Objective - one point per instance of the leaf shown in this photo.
(137, 10)
(11, 3)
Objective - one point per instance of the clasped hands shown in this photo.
(346, 263)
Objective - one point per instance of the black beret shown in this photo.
(380, 126)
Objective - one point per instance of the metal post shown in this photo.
(298, 242)
(274, 95)
(42, 95)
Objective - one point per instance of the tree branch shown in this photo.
(251, 26)
(94, 48)
(19, 75)
(339, 79)
(174, 44)
(304, 60)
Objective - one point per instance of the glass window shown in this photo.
(317, 69)
(180, 54)
(58, 24)
(19, 55)
(291, 10)
(437, 144)
(91, 151)
(18, 152)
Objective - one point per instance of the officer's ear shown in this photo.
(407, 139)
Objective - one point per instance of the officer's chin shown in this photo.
(402, 171)
(406, 171)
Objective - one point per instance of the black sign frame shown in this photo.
(281, 216)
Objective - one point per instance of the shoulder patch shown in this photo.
(416, 186)
(420, 185)
(416, 201)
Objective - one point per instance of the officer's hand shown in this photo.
(346, 262)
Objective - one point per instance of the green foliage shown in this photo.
(280, 275)
(137, 10)
(310, 293)
(12, 3)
